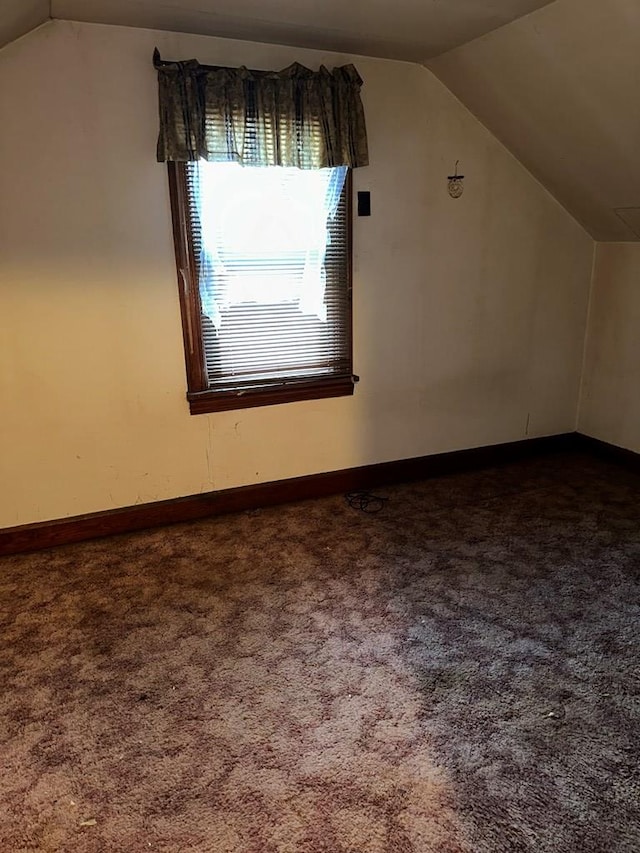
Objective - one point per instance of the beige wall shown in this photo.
(469, 314)
(20, 17)
(559, 88)
(610, 405)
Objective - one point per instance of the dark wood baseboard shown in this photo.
(33, 537)
(629, 459)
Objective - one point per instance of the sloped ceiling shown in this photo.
(17, 17)
(561, 88)
(400, 29)
(557, 82)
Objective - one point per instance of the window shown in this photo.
(264, 266)
(260, 178)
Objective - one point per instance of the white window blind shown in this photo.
(271, 246)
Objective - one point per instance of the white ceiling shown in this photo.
(560, 89)
(557, 81)
(399, 29)
(17, 17)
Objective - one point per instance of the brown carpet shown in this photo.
(459, 673)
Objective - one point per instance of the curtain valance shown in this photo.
(294, 117)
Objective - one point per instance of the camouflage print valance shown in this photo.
(295, 117)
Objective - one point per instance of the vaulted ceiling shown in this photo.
(17, 17)
(401, 29)
(557, 82)
(560, 89)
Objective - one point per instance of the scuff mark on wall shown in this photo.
(209, 451)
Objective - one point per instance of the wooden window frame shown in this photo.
(201, 398)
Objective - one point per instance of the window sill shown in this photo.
(203, 402)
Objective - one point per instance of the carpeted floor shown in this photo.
(457, 674)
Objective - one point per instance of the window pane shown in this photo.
(272, 246)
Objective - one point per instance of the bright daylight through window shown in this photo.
(260, 167)
(270, 254)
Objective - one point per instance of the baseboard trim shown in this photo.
(46, 534)
(629, 459)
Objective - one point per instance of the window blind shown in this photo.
(268, 326)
